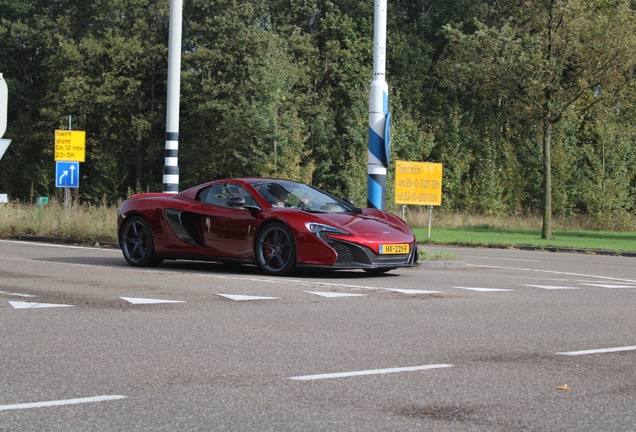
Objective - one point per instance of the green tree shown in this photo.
(552, 56)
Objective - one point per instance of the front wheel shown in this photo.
(137, 243)
(275, 250)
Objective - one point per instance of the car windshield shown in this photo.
(284, 193)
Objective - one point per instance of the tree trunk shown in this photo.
(547, 179)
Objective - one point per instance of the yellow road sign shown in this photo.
(70, 145)
(418, 183)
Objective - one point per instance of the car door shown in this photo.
(226, 231)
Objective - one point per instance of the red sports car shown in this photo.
(279, 225)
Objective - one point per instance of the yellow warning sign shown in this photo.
(418, 183)
(70, 145)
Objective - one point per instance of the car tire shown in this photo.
(137, 243)
(275, 250)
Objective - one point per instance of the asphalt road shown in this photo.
(516, 341)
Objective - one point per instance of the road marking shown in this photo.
(598, 351)
(609, 285)
(33, 305)
(16, 294)
(61, 402)
(608, 278)
(246, 297)
(148, 301)
(368, 372)
(333, 294)
(504, 259)
(550, 287)
(483, 289)
(279, 281)
(414, 291)
(294, 282)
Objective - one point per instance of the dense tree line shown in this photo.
(528, 104)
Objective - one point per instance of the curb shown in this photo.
(62, 240)
(438, 264)
(631, 254)
(575, 250)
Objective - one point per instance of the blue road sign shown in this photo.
(66, 174)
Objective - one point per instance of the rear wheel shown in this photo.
(275, 250)
(137, 243)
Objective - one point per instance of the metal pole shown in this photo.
(4, 97)
(66, 191)
(378, 112)
(430, 217)
(171, 168)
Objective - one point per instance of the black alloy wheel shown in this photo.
(275, 250)
(137, 243)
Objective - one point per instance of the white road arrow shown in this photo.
(65, 173)
(333, 294)
(72, 168)
(240, 297)
(414, 291)
(134, 300)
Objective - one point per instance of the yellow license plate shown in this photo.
(386, 249)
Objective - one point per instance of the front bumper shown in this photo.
(354, 256)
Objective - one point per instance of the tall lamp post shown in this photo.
(171, 167)
(379, 117)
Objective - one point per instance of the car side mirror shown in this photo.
(348, 201)
(236, 201)
(239, 201)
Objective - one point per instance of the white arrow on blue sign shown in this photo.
(66, 174)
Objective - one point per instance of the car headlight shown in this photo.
(318, 228)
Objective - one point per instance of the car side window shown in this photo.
(218, 194)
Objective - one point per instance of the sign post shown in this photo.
(419, 183)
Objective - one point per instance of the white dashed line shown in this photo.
(33, 305)
(551, 287)
(609, 285)
(61, 402)
(598, 351)
(16, 294)
(607, 278)
(483, 289)
(369, 372)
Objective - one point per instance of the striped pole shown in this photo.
(171, 167)
(4, 95)
(378, 113)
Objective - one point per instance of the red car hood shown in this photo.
(371, 228)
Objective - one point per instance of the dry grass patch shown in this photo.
(78, 221)
(417, 217)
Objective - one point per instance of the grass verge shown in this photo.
(488, 236)
(437, 256)
(90, 223)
